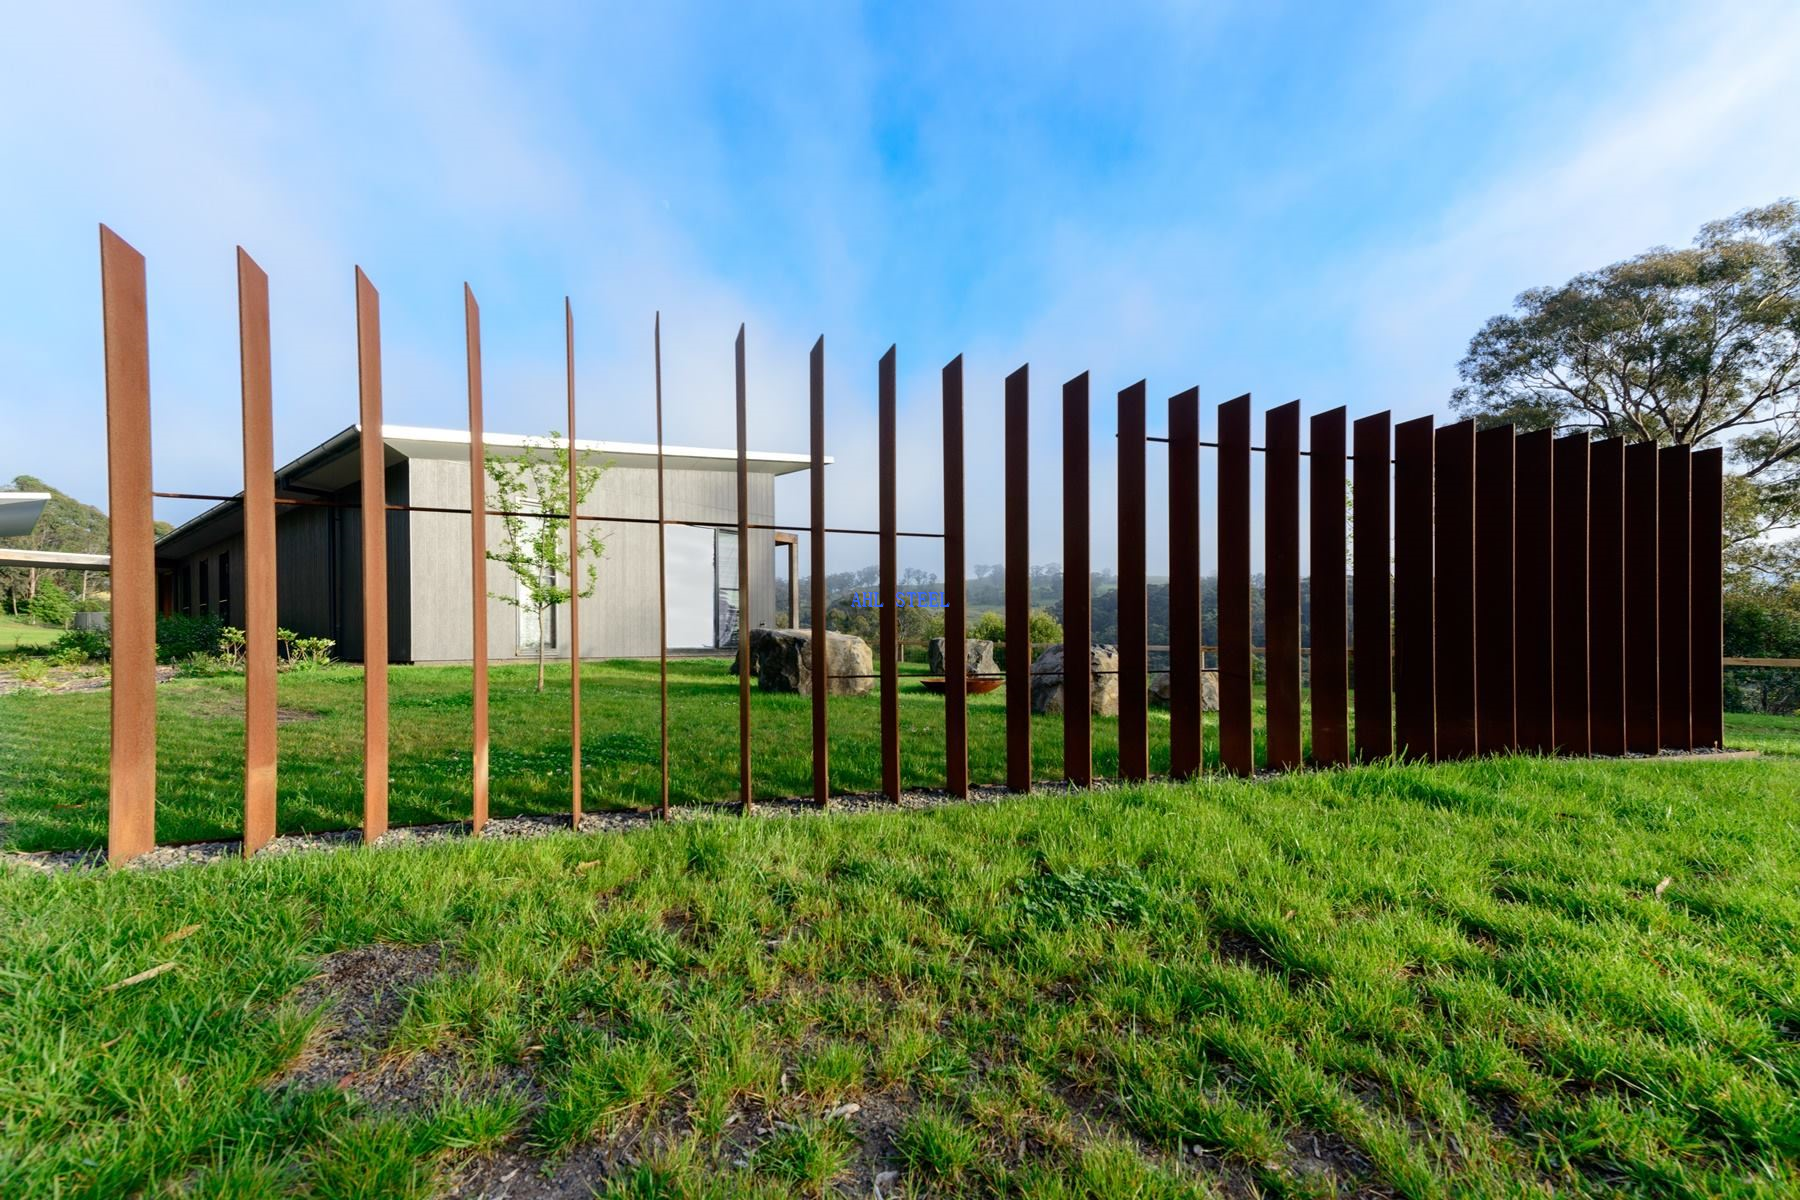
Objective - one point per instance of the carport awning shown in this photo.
(54, 560)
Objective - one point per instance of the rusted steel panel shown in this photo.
(1415, 668)
(1675, 609)
(1078, 717)
(1237, 745)
(1641, 600)
(131, 797)
(478, 597)
(746, 795)
(890, 582)
(1495, 732)
(1706, 640)
(956, 616)
(662, 586)
(1453, 589)
(1569, 508)
(1606, 596)
(1134, 617)
(1532, 577)
(821, 661)
(1018, 580)
(1185, 656)
(373, 462)
(575, 789)
(1370, 516)
(259, 554)
(1281, 582)
(1330, 572)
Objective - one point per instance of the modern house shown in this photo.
(200, 565)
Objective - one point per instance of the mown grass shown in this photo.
(1501, 978)
(17, 633)
(54, 745)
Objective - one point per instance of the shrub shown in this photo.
(307, 653)
(201, 665)
(232, 645)
(51, 606)
(179, 637)
(83, 645)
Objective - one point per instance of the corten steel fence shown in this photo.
(1537, 593)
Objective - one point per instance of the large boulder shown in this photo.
(781, 660)
(1047, 680)
(1209, 690)
(981, 657)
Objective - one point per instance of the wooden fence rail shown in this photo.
(1510, 592)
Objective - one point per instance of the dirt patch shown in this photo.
(1318, 1154)
(366, 990)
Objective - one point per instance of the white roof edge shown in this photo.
(460, 437)
(24, 495)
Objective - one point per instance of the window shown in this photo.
(204, 570)
(184, 593)
(725, 588)
(225, 587)
(693, 588)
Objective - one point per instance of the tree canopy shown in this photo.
(1679, 347)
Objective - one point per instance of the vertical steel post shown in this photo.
(575, 788)
(1281, 583)
(1606, 596)
(821, 649)
(1186, 660)
(1642, 683)
(1134, 617)
(1675, 578)
(1571, 713)
(1018, 580)
(662, 583)
(1706, 640)
(1329, 689)
(259, 554)
(131, 798)
(1415, 668)
(1237, 742)
(1078, 682)
(373, 463)
(745, 788)
(1370, 516)
(956, 618)
(1453, 592)
(1495, 667)
(478, 598)
(1533, 576)
(890, 580)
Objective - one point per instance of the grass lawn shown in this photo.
(16, 632)
(53, 747)
(1503, 978)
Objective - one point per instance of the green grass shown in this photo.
(53, 747)
(1511, 977)
(18, 633)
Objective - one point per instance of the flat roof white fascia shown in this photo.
(19, 512)
(419, 442)
(54, 560)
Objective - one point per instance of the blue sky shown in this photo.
(1321, 201)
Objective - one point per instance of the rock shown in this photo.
(1047, 684)
(981, 657)
(781, 660)
(1209, 690)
